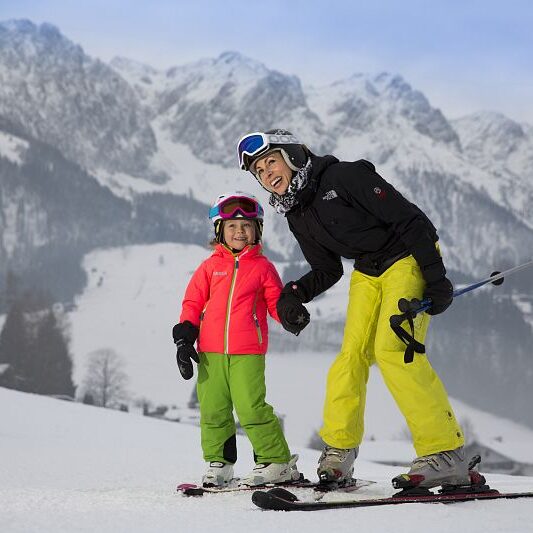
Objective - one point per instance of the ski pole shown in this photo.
(410, 308)
(415, 306)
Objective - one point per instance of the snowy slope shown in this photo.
(12, 147)
(132, 300)
(73, 468)
(504, 148)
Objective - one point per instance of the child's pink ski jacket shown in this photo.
(228, 298)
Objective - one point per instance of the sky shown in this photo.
(465, 56)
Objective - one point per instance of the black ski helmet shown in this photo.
(294, 153)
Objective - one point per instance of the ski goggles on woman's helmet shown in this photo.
(254, 144)
(236, 205)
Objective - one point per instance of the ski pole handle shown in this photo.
(411, 308)
(414, 306)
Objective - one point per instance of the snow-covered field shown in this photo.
(134, 297)
(66, 467)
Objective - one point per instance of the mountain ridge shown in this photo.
(93, 155)
(206, 105)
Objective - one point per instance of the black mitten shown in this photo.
(292, 312)
(185, 335)
(441, 295)
(184, 357)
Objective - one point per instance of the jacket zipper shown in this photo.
(228, 308)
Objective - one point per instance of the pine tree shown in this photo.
(51, 369)
(15, 350)
(34, 354)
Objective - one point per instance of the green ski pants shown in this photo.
(237, 381)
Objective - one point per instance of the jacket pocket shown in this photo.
(202, 316)
(258, 329)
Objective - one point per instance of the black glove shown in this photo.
(441, 295)
(185, 335)
(185, 353)
(292, 312)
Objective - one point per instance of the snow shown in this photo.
(70, 467)
(12, 148)
(146, 81)
(186, 173)
(230, 67)
(134, 297)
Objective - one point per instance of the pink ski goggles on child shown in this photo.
(236, 205)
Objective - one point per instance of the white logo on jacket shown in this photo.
(330, 195)
(216, 273)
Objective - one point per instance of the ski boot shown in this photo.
(448, 469)
(272, 473)
(336, 465)
(218, 474)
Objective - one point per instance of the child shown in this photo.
(225, 310)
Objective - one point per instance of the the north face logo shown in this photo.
(380, 192)
(216, 273)
(330, 195)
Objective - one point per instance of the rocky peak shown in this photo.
(488, 131)
(71, 101)
(387, 100)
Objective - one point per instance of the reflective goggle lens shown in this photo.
(257, 143)
(246, 206)
(237, 205)
(251, 145)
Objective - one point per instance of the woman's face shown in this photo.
(273, 173)
(238, 233)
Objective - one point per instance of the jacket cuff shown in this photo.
(294, 288)
(185, 330)
(429, 260)
(434, 272)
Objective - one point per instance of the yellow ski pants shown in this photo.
(368, 339)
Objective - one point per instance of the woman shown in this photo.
(345, 209)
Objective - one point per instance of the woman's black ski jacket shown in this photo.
(348, 210)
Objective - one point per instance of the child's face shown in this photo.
(239, 232)
(273, 173)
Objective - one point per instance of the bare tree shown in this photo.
(105, 378)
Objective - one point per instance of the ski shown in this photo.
(280, 499)
(191, 489)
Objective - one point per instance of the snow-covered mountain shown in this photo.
(504, 149)
(209, 104)
(139, 130)
(385, 102)
(78, 104)
(102, 156)
(377, 117)
(52, 212)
